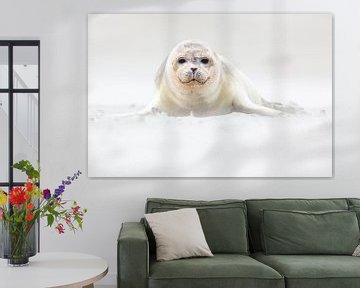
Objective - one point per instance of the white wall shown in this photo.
(62, 28)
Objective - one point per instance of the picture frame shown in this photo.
(287, 57)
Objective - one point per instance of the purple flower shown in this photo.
(46, 194)
(58, 192)
(68, 181)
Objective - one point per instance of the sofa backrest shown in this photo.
(256, 205)
(223, 221)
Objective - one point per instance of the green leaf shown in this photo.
(53, 211)
(79, 221)
(50, 219)
(28, 168)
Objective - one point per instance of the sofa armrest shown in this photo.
(133, 256)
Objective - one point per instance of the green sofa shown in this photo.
(234, 230)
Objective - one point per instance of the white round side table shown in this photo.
(50, 270)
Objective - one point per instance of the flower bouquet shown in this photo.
(21, 208)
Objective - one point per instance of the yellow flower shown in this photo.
(3, 198)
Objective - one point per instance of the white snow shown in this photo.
(233, 145)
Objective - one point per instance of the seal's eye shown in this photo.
(205, 60)
(181, 60)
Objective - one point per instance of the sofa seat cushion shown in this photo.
(313, 271)
(222, 270)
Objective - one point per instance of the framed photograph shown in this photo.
(210, 95)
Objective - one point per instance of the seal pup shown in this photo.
(194, 80)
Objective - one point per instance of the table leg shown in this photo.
(89, 286)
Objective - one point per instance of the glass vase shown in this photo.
(18, 242)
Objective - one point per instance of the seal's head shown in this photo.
(192, 69)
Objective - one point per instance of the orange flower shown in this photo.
(27, 196)
(29, 206)
(29, 187)
(29, 217)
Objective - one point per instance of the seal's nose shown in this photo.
(193, 69)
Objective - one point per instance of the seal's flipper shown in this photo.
(290, 108)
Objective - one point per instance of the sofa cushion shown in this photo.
(356, 209)
(222, 270)
(223, 221)
(178, 234)
(354, 205)
(313, 271)
(353, 201)
(254, 216)
(297, 232)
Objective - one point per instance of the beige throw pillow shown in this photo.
(178, 234)
(357, 251)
